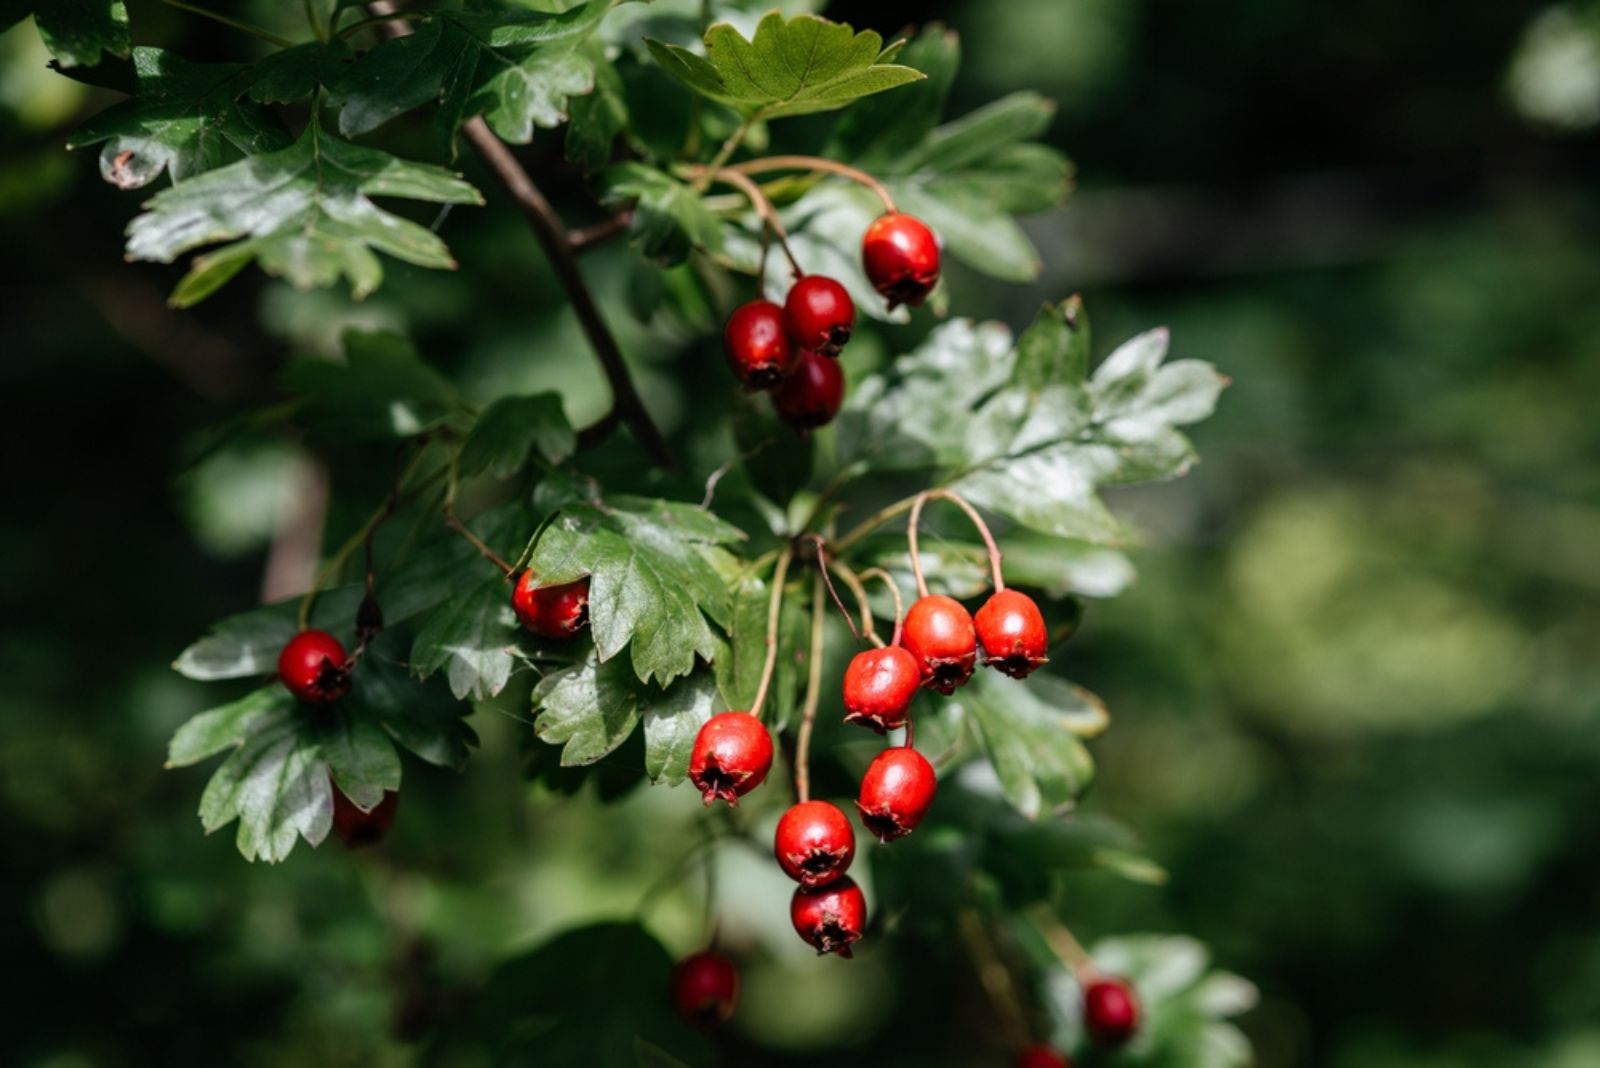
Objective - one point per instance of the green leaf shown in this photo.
(589, 709)
(651, 586)
(292, 74)
(186, 118)
(651, 1055)
(671, 722)
(473, 638)
(669, 217)
(209, 733)
(1055, 348)
(516, 68)
(1032, 739)
(382, 389)
(794, 66)
(423, 717)
(302, 213)
(77, 32)
(249, 643)
(360, 756)
(597, 117)
(276, 785)
(511, 428)
(738, 664)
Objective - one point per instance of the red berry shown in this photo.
(901, 257)
(938, 633)
(356, 828)
(558, 611)
(757, 346)
(819, 314)
(814, 843)
(1110, 1011)
(314, 667)
(732, 755)
(896, 792)
(811, 396)
(878, 687)
(705, 987)
(829, 917)
(1041, 1056)
(1012, 633)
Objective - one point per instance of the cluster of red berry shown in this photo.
(792, 351)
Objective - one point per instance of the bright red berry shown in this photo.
(901, 257)
(732, 755)
(356, 828)
(558, 611)
(1041, 1056)
(814, 843)
(705, 987)
(878, 687)
(829, 917)
(896, 792)
(757, 345)
(1012, 633)
(314, 667)
(811, 396)
(939, 634)
(1110, 1011)
(819, 314)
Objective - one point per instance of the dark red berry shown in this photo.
(1110, 1011)
(1012, 633)
(757, 345)
(558, 611)
(314, 667)
(705, 987)
(811, 396)
(878, 687)
(1041, 1056)
(901, 257)
(939, 634)
(819, 314)
(356, 828)
(732, 755)
(814, 843)
(829, 917)
(896, 792)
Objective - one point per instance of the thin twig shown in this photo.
(1064, 944)
(454, 523)
(764, 208)
(847, 576)
(894, 591)
(808, 711)
(780, 574)
(977, 521)
(232, 23)
(823, 566)
(557, 244)
(994, 977)
(817, 163)
(585, 238)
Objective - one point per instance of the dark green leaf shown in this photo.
(1033, 745)
(671, 722)
(295, 73)
(669, 217)
(589, 709)
(360, 756)
(793, 66)
(77, 32)
(381, 390)
(186, 118)
(651, 586)
(302, 212)
(597, 117)
(249, 643)
(276, 785)
(511, 428)
(422, 716)
(209, 733)
(472, 637)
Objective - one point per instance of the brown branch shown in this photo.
(585, 238)
(558, 248)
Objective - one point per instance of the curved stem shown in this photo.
(808, 712)
(853, 581)
(454, 523)
(818, 163)
(232, 23)
(780, 574)
(911, 544)
(871, 523)
(894, 591)
(764, 208)
(977, 521)
(317, 30)
(1064, 944)
(724, 154)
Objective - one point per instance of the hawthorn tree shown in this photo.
(722, 616)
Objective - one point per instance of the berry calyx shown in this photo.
(757, 345)
(356, 828)
(819, 314)
(901, 258)
(896, 792)
(940, 635)
(814, 843)
(1012, 633)
(705, 987)
(830, 918)
(314, 667)
(731, 756)
(558, 611)
(1110, 1011)
(878, 687)
(812, 395)
(1041, 1056)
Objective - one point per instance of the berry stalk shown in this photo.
(808, 712)
(758, 200)
(818, 163)
(780, 574)
(977, 521)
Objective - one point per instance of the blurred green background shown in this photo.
(1355, 691)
